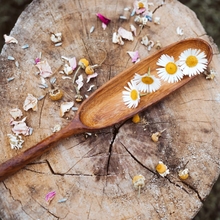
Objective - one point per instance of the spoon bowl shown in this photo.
(105, 107)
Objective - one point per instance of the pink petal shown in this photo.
(133, 55)
(37, 60)
(79, 82)
(103, 19)
(44, 68)
(138, 11)
(73, 63)
(104, 26)
(91, 76)
(133, 29)
(9, 39)
(125, 34)
(50, 196)
(20, 127)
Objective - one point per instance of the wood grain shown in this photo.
(94, 172)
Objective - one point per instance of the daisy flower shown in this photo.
(192, 62)
(170, 72)
(131, 97)
(147, 82)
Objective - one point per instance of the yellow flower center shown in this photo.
(134, 94)
(136, 118)
(136, 178)
(147, 80)
(171, 68)
(191, 61)
(161, 168)
(140, 5)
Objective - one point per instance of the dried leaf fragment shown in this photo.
(9, 39)
(65, 107)
(30, 102)
(16, 113)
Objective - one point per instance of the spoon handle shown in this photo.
(16, 163)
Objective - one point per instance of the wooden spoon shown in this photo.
(105, 107)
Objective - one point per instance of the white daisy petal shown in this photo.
(192, 62)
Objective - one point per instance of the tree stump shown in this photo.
(94, 172)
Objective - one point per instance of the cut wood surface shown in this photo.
(94, 172)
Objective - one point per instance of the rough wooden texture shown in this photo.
(95, 173)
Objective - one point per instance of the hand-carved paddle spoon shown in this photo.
(105, 107)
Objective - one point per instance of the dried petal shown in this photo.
(79, 82)
(117, 39)
(16, 113)
(67, 69)
(44, 68)
(91, 76)
(125, 34)
(9, 39)
(133, 29)
(37, 60)
(30, 102)
(145, 40)
(133, 55)
(73, 63)
(50, 196)
(103, 19)
(104, 26)
(15, 141)
(56, 128)
(65, 107)
(90, 88)
(56, 37)
(179, 31)
(157, 20)
(20, 127)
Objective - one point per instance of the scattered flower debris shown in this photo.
(11, 58)
(127, 9)
(150, 45)
(141, 20)
(90, 88)
(133, 55)
(66, 77)
(16, 64)
(211, 74)
(136, 118)
(20, 127)
(30, 102)
(58, 44)
(10, 79)
(162, 169)
(86, 96)
(91, 76)
(139, 182)
(104, 26)
(49, 197)
(83, 63)
(53, 80)
(42, 86)
(125, 34)
(25, 46)
(133, 12)
(45, 69)
(15, 141)
(41, 97)
(55, 94)
(56, 128)
(56, 38)
(145, 40)
(92, 29)
(117, 39)
(123, 17)
(183, 174)
(65, 107)
(67, 69)
(138, 60)
(157, 20)
(31, 131)
(9, 39)
(158, 45)
(155, 136)
(140, 6)
(37, 60)
(179, 31)
(16, 113)
(62, 200)
(133, 29)
(75, 108)
(78, 97)
(79, 82)
(103, 19)
(73, 63)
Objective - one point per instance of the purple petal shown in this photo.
(50, 196)
(37, 60)
(103, 19)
